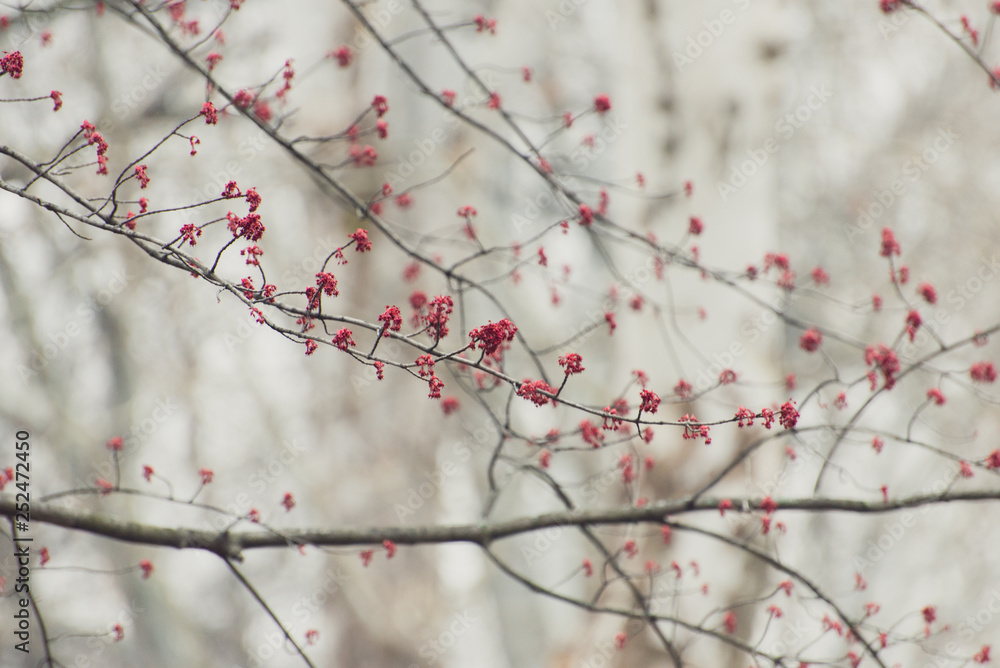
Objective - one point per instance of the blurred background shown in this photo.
(803, 128)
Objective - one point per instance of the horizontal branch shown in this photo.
(230, 545)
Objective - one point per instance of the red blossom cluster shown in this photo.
(729, 622)
(885, 359)
(993, 460)
(609, 317)
(693, 430)
(491, 336)
(532, 391)
(12, 64)
(437, 316)
(411, 271)
(969, 30)
(913, 322)
(484, 24)
(343, 55)
(744, 417)
(343, 339)
(249, 227)
(890, 246)
(425, 366)
(788, 416)
(248, 288)
(231, 191)
(243, 98)
(983, 372)
(94, 137)
(650, 401)
(625, 463)
(811, 340)
(779, 260)
(571, 363)
(189, 233)
(683, 389)
(363, 156)
(288, 73)
(391, 319)
(436, 385)
(252, 254)
(327, 282)
(208, 111)
(361, 241)
(591, 433)
(935, 395)
(253, 199)
(140, 173)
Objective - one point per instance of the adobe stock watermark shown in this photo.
(98, 644)
(697, 44)
(784, 128)
(123, 105)
(581, 158)
(978, 622)
(543, 540)
(593, 318)
(461, 451)
(791, 637)
(333, 582)
(56, 341)
(379, 17)
(137, 434)
(891, 23)
(565, 9)
(269, 471)
(367, 375)
(960, 296)
(140, 432)
(912, 170)
(433, 650)
(965, 291)
(303, 610)
(893, 530)
(788, 471)
(534, 206)
(28, 24)
(750, 331)
(427, 146)
(603, 651)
